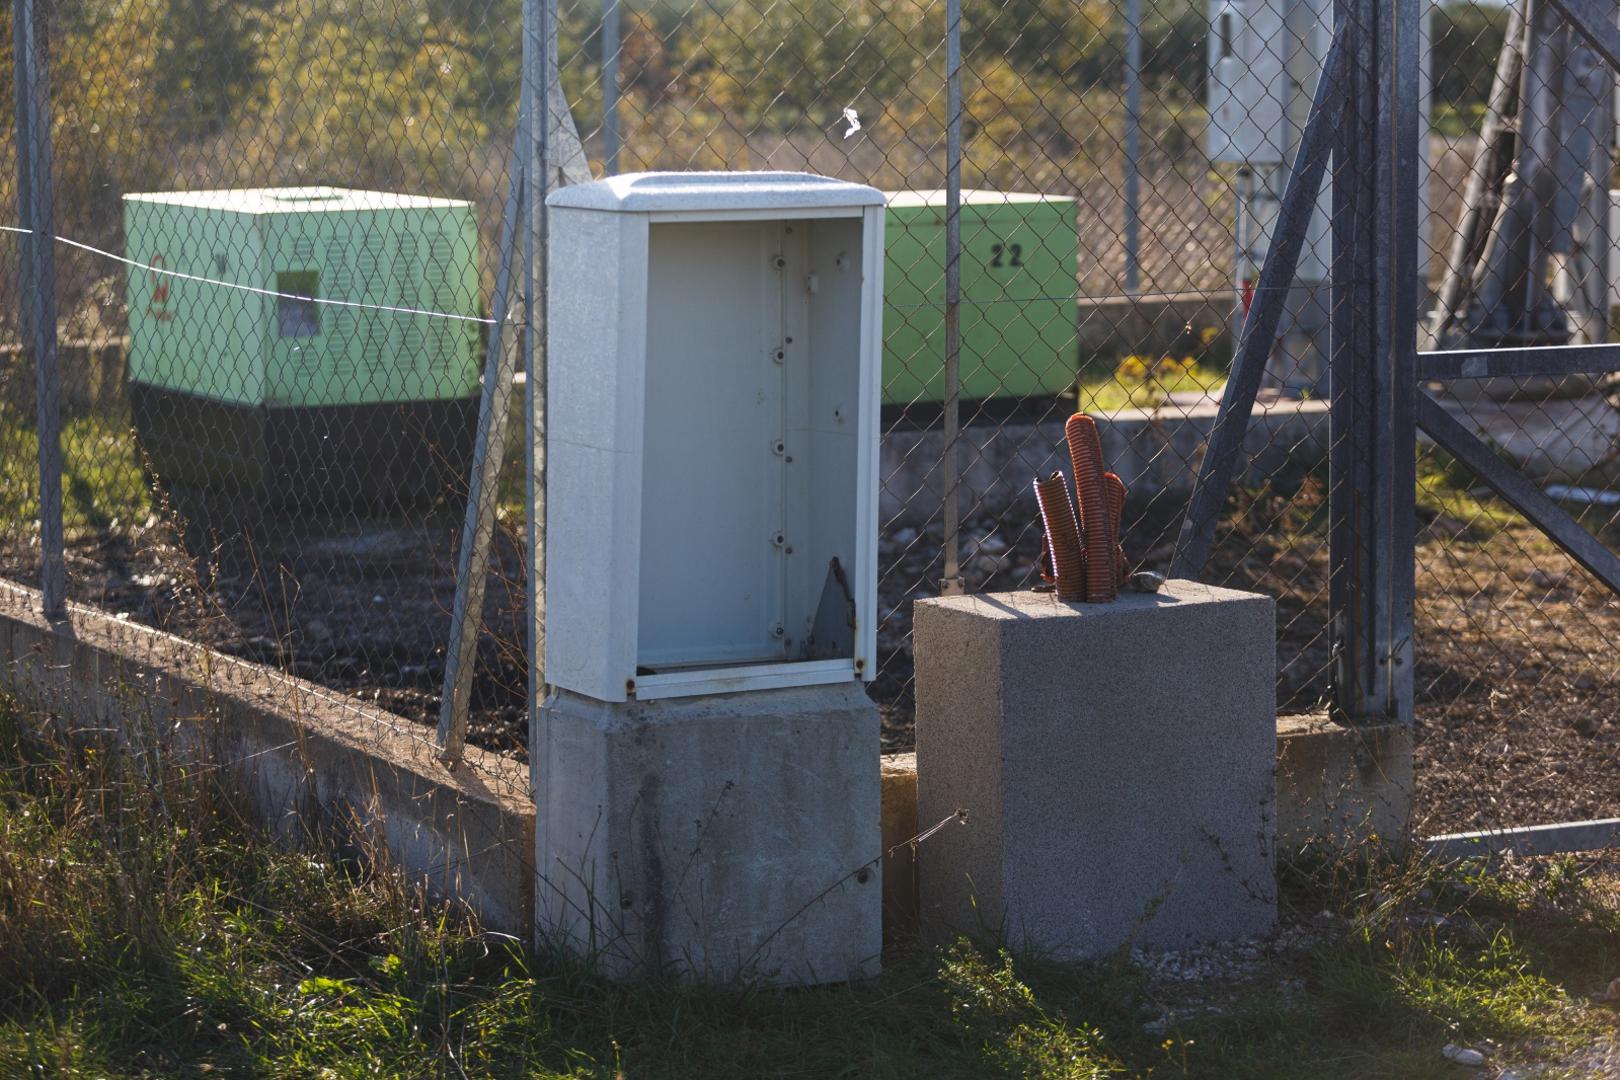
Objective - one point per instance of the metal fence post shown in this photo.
(1372, 461)
(951, 583)
(1133, 133)
(538, 42)
(483, 496)
(35, 201)
(610, 86)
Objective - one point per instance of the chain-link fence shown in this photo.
(1516, 678)
(271, 371)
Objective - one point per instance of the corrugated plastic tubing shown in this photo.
(1062, 536)
(1097, 527)
(1115, 488)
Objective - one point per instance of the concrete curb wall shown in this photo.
(296, 753)
(1155, 451)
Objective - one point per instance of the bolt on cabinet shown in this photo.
(713, 361)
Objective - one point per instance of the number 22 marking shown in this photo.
(1014, 253)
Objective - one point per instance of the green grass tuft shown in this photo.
(103, 486)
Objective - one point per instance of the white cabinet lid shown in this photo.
(290, 200)
(659, 192)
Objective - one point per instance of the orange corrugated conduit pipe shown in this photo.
(1081, 553)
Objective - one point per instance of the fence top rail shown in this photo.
(1553, 360)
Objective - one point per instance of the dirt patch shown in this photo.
(359, 607)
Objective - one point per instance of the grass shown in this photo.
(102, 483)
(1106, 393)
(146, 931)
(1457, 120)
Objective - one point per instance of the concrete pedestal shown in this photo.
(719, 838)
(1115, 763)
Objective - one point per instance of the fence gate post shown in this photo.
(1372, 461)
(35, 201)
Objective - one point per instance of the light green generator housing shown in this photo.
(263, 386)
(1020, 256)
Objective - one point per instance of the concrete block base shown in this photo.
(1114, 761)
(717, 838)
(899, 856)
(1341, 787)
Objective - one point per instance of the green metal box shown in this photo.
(237, 378)
(375, 248)
(1020, 257)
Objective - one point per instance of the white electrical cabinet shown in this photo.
(1249, 87)
(713, 364)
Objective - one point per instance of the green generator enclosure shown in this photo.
(1020, 257)
(292, 341)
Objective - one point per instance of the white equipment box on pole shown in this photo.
(1248, 84)
(705, 763)
(1265, 58)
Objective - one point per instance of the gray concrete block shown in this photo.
(1114, 762)
(717, 838)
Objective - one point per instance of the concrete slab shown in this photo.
(716, 838)
(1574, 440)
(1114, 762)
(1341, 787)
(1155, 451)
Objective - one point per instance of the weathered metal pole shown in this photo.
(539, 39)
(951, 582)
(610, 86)
(36, 203)
(478, 527)
(1133, 133)
(1372, 458)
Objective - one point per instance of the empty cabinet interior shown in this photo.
(712, 444)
